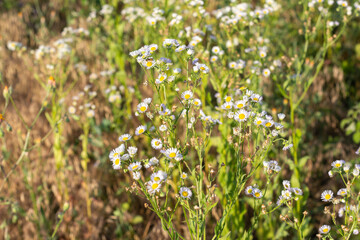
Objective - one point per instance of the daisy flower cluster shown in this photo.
(82, 103)
(345, 210)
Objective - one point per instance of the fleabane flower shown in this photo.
(342, 192)
(153, 47)
(337, 163)
(148, 63)
(286, 184)
(257, 193)
(132, 151)
(281, 116)
(241, 115)
(327, 195)
(125, 137)
(266, 72)
(172, 153)
(197, 102)
(187, 95)
(216, 49)
(162, 77)
(140, 130)
(324, 229)
(259, 121)
(184, 175)
(142, 107)
(134, 166)
(249, 190)
(297, 191)
(286, 194)
(185, 192)
(158, 176)
(156, 143)
(240, 104)
(153, 187)
(227, 106)
(116, 162)
(256, 97)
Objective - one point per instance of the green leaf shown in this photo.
(356, 137)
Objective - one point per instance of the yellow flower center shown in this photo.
(153, 48)
(149, 64)
(228, 99)
(185, 194)
(143, 108)
(187, 96)
(135, 167)
(125, 138)
(250, 190)
(202, 68)
(196, 103)
(115, 154)
(156, 179)
(338, 165)
(162, 78)
(117, 161)
(183, 176)
(141, 130)
(258, 122)
(172, 155)
(241, 116)
(268, 124)
(325, 230)
(228, 106)
(157, 143)
(256, 99)
(257, 194)
(240, 105)
(155, 186)
(327, 196)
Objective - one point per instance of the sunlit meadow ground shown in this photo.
(56, 177)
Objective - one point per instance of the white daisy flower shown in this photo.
(281, 116)
(286, 184)
(241, 115)
(227, 106)
(134, 166)
(117, 163)
(342, 192)
(163, 128)
(257, 193)
(216, 49)
(171, 153)
(240, 104)
(232, 65)
(256, 97)
(187, 95)
(153, 187)
(158, 176)
(337, 163)
(259, 121)
(154, 161)
(184, 175)
(140, 130)
(297, 191)
(185, 192)
(266, 72)
(153, 47)
(149, 63)
(197, 102)
(136, 175)
(269, 123)
(262, 54)
(156, 143)
(324, 229)
(286, 194)
(214, 58)
(132, 151)
(162, 77)
(142, 107)
(124, 137)
(228, 98)
(327, 196)
(249, 190)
